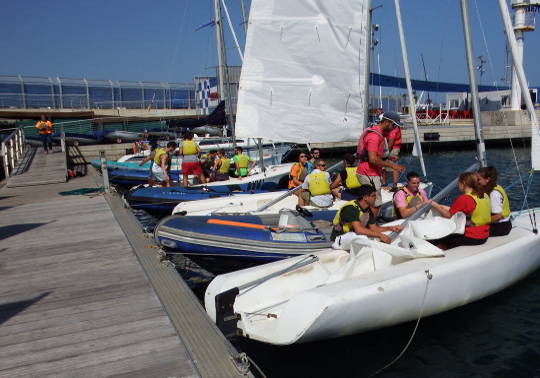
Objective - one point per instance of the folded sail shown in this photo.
(302, 78)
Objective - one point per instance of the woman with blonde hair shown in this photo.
(500, 205)
(475, 204)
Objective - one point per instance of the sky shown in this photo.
(157, 41)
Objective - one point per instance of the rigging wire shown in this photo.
(490, 61)
(179, 38)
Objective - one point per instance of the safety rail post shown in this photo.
(5, 160)
(104, 171)
(62, 138)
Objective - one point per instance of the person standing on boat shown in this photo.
(356, 218)
(189, 150)
(500, 205)
(394, 146)
(372, 148)
(316, 187)
(346, 179)
(150, 158)
(299, 171)
(221, 167)
(410, 198)
(161, 164)
(45, 129)
(241, 162)
(475, 204)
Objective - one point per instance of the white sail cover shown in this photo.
(303, 76)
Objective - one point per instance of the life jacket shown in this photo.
(363, 152)
(44, 127)
(189, 147)
(318, 185)
(363, 218)
(412, 200)
(157, 157)
(301, 177)
(225, 165)
(397, 141)
(242, 161)
(506, 203)
(352, 181)
(482, 213)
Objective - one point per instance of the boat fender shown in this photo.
(226, 318)
(303, 211)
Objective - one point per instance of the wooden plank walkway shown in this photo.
(38, 168)
(75, 300)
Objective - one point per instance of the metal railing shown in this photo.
(13, 148)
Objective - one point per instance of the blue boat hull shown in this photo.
(244, 237)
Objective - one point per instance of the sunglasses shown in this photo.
(322, 165)
(302, 156)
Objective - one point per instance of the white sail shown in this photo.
(302, 78)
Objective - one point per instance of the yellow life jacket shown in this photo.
(157, 157)
(363, 218)
(318, 184)
(506, 203)
(189, 147)
(243, 161)
(352, 181)
(482, 213)
(412, 200)
(225, 165)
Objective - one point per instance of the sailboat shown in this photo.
(371, 285)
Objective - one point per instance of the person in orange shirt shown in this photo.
(45, 129)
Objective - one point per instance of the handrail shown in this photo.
(12, 149)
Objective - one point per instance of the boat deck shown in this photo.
(82, 294)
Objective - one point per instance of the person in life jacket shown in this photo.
(346, 179)
(45, 129)
(316, 187)
(475, 204)
(221, 167)
(299, 171)
(189, 150)
(372, 147)
(410, 198)
(150, 158)
(315, 155)
(241, 163)
(356, 218)
(394, 146)
(207, 162)
(161, 165)
(500, 205)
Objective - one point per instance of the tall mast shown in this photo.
(367, 72)
(520, 73)
(219, 45)
(417, 145)
(480, 145)
(244, 17)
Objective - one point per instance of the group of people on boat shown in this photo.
(484, 203)
(208, 167)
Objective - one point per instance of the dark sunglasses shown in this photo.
(322, 165)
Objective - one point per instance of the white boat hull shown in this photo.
(308, 306)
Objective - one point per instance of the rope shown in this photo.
(486, 46)
(429, 276)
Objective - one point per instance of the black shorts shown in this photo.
(500, 229)
(456, 240)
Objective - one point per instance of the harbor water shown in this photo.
(498, 336)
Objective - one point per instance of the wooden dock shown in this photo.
(38, 168)
(80, 298)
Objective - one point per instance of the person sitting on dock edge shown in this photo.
(189, 150)
(500, 204)
(356, 218)
(241, 162)
(372, 148)
(160, 167)
(410, 198)
(316, 187)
